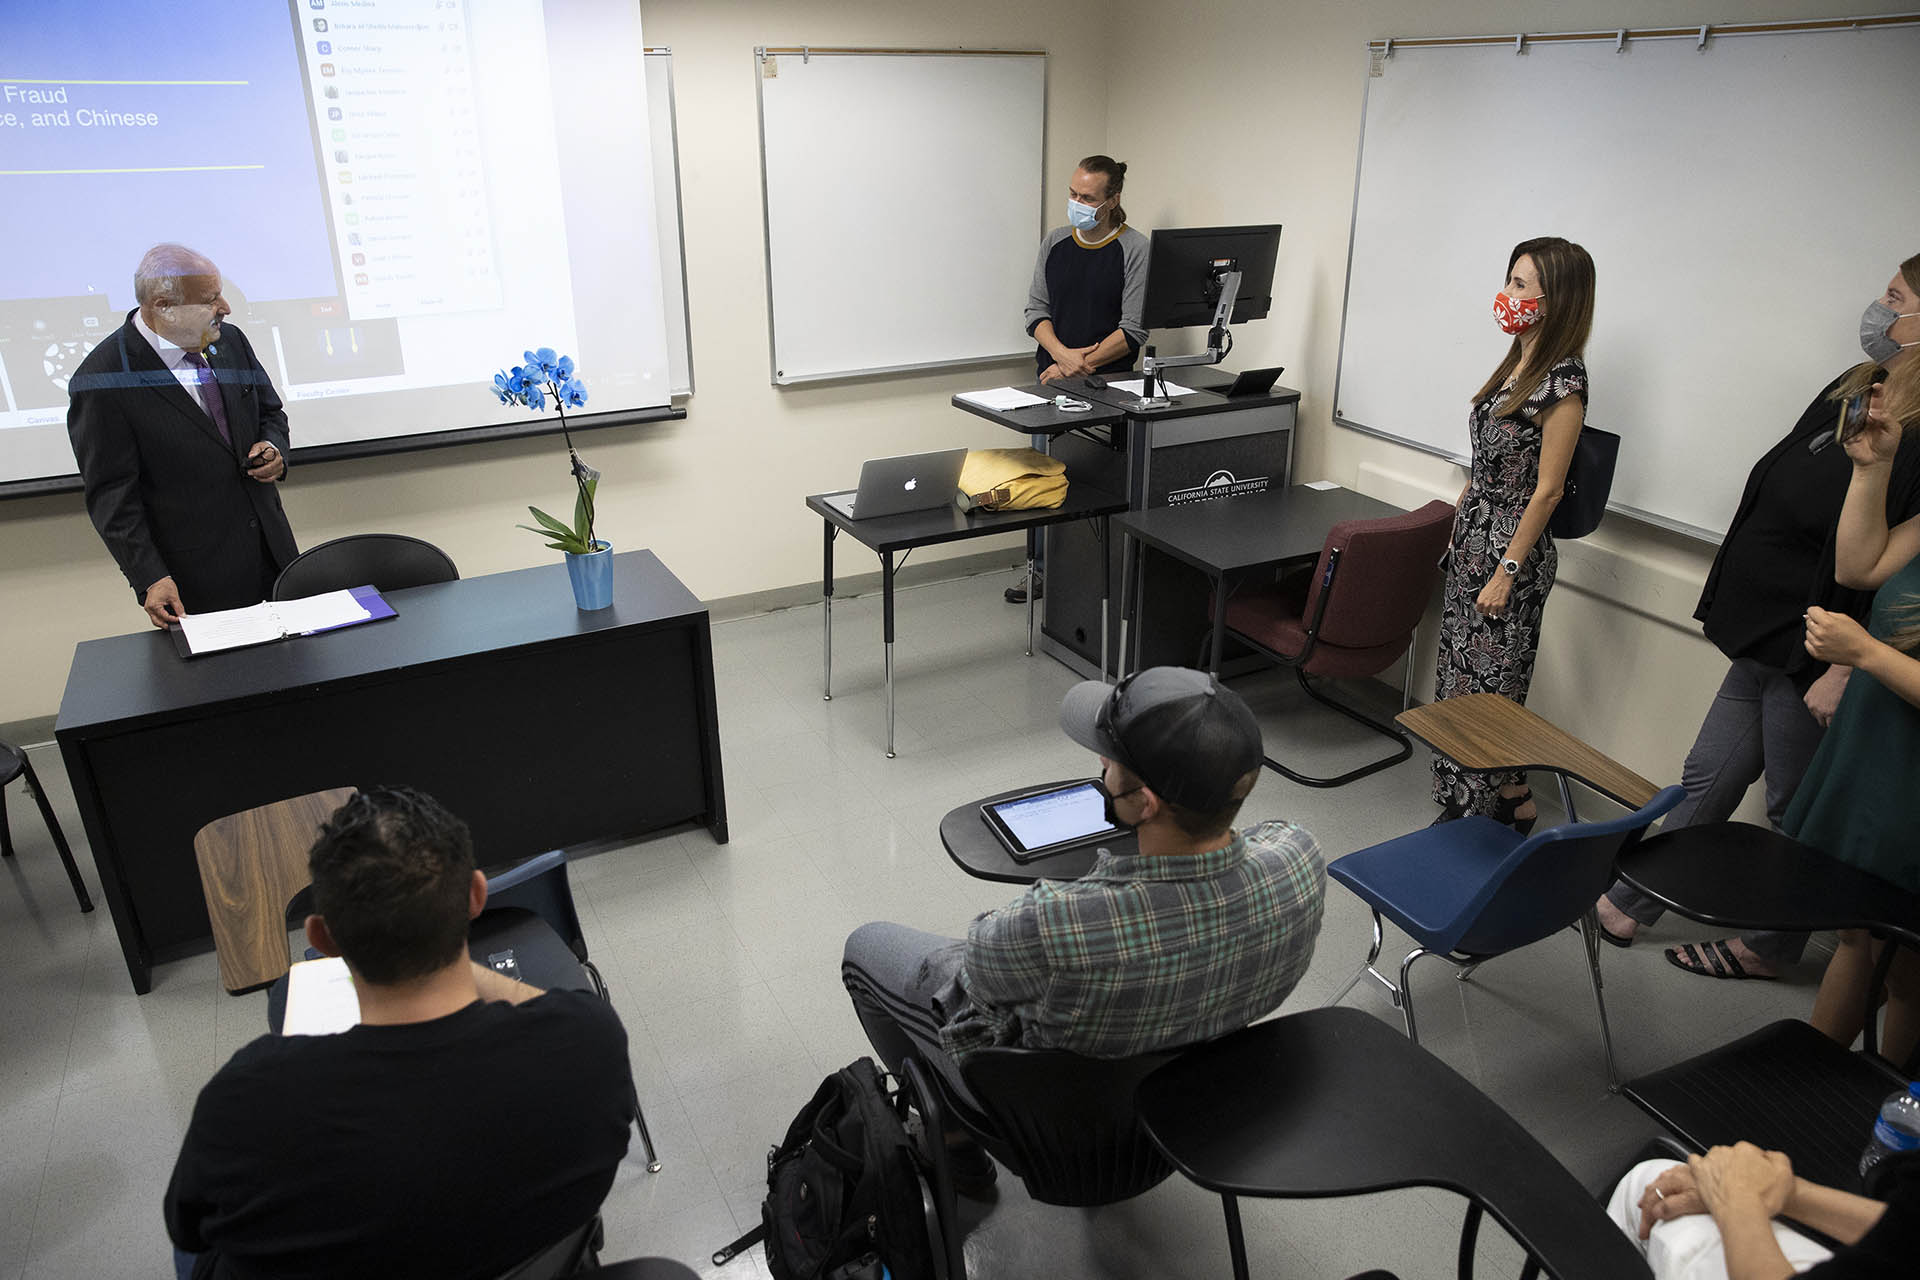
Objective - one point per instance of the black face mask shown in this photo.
(1107, 798)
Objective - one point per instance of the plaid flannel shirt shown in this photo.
(1144, 952)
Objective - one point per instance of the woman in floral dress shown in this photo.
(1524, 424)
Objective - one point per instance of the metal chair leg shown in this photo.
(1590, 935)
(1406, 992)
(1469, 1234)
(1366, 967)
(1403, 750)
(59, 836)
(633, 1091)
(646, 1139)
(1236, 1238)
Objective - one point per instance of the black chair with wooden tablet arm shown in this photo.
(1785, 1087)
(1333, 1102)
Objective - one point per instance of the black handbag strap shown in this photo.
(727, 1253)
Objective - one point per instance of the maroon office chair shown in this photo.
(1353, 617)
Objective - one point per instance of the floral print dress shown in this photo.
(1479, 654)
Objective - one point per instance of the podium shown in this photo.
(1202, 447)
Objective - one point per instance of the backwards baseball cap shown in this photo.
(1181, 732)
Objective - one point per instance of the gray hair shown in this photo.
(157, 278)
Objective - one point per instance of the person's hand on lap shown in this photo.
(1742, 1177)
(1671, 1195)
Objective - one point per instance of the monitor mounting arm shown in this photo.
(1219, 341)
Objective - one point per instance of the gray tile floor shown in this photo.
(723, 962)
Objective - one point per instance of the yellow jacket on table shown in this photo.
(1011, 480)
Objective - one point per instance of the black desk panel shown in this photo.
(1221, 538)
(1254, 531)
(539, 724)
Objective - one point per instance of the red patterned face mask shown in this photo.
(1515, 315)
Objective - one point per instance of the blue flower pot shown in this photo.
(592, 576)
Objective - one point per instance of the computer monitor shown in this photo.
(1184, 268)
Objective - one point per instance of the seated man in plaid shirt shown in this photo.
(1202, 931)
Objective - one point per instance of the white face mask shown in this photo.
(1084, 217)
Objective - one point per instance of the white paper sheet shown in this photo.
(1001, 398)
(1321, 484)
(321, 1000)
(1131, 387)
(270, 620)
(231, 628)
(317, 613)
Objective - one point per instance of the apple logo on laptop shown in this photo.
(911, 484)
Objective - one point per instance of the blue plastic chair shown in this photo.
(539, 886)
(1473, 889)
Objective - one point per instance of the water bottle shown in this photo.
(1897, 1129)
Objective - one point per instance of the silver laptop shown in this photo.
(910, 482)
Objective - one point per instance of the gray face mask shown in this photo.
(1874, 323)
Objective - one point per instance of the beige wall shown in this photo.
(716, 496)
(1248, 110)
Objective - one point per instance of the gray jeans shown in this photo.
(1758, 726)
(903, 983)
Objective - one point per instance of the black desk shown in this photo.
(887, 535)
(976, 850)
(541, 725)
(1199, 400)
(1224, 537)
(1047, 419)
(1333, 1102)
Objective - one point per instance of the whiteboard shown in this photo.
(1740, 201)
(902, 198)
(664, 129)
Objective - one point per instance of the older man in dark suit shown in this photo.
(181, 438)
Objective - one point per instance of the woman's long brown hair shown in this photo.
(1566, 282)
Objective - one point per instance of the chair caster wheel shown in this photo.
(653, 1166)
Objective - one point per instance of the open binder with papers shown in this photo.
(270, 620)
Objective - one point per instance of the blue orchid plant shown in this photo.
(547, 376)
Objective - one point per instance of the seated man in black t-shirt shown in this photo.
(468, 1121)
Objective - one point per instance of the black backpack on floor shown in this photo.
(848, 1192)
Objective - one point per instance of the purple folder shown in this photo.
(369, 598)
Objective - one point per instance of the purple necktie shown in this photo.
(210, 394)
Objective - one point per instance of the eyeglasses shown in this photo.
(1103, 719)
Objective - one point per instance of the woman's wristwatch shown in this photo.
(1512, 567)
